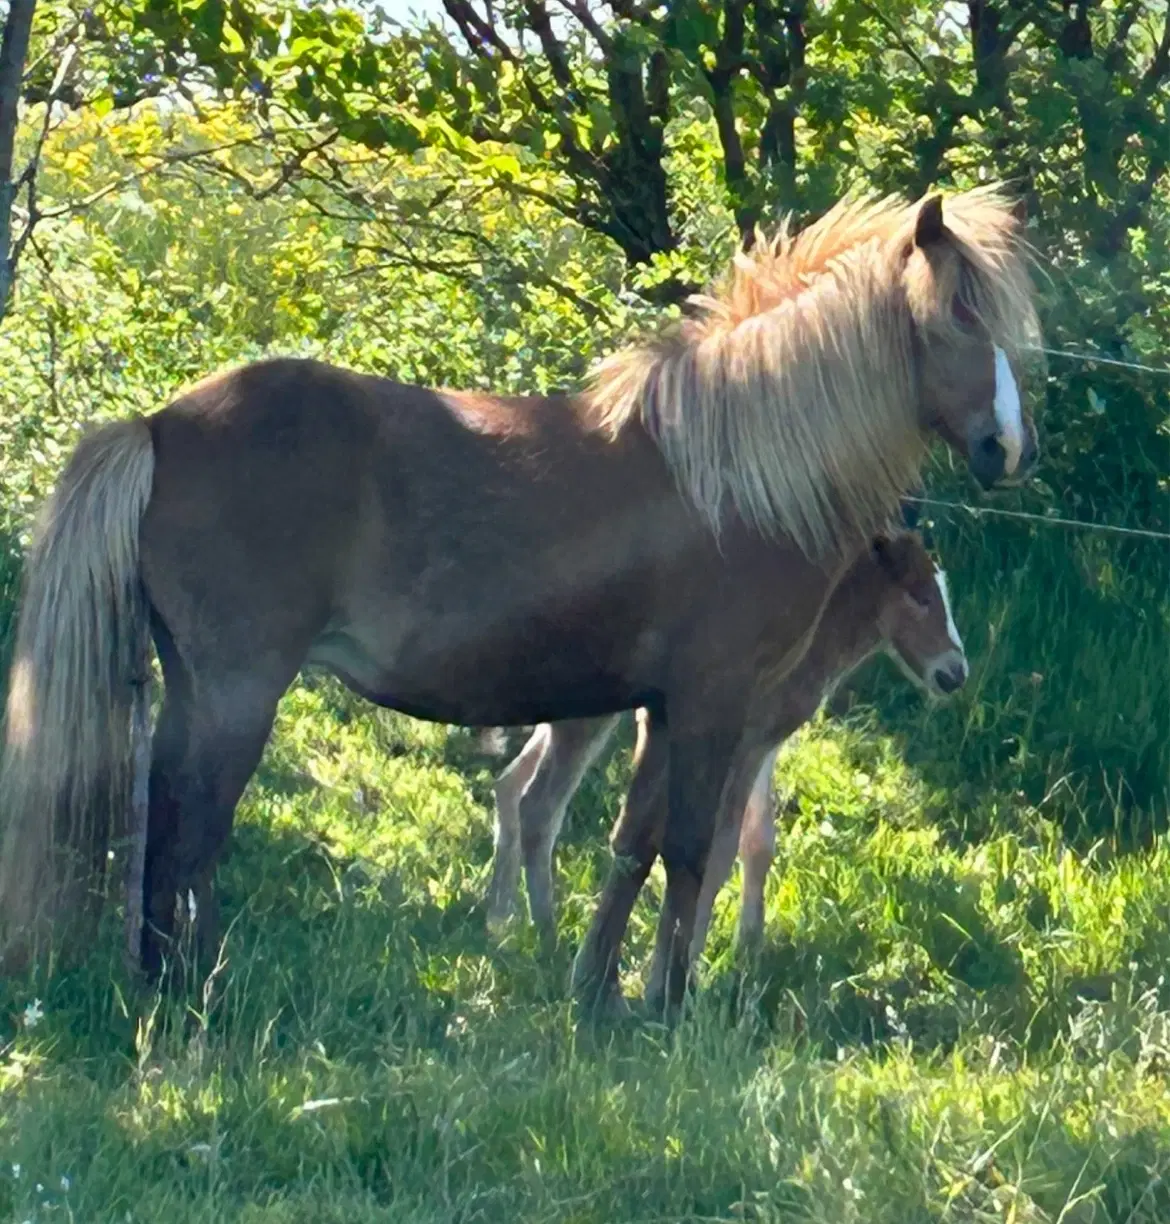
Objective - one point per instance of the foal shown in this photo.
(892, 599)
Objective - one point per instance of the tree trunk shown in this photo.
(13, 51)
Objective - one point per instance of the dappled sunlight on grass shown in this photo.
(933, 1028)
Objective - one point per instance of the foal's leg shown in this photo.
(720, 861)
(532, 795)
(573, 747)
(509, 786)
(635, 841)
(757, 845)
(209, 740)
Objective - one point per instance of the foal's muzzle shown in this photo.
(949, 676)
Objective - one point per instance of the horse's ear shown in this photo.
(912, 510)
(1020, 210)
(929, 227)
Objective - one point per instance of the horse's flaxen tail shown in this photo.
(80, 645)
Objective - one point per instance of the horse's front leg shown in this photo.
(710, 777)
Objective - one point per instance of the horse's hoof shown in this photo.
(603, 1004)
(497, 921)
(654, 1007)
(500, 904)
(598, 995)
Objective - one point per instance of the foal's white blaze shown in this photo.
(940, 580)
(1008, 415)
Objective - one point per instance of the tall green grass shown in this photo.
(1068, 706)
(935, 1030)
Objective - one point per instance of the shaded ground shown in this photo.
(934, 1031)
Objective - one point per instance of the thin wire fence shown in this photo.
(1101, 359)
(1055, 520)
(1052, 520)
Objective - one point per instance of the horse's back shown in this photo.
(411, 539)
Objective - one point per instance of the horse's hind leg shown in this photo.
(210, 736)
(532, 796)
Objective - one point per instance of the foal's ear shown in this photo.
(890, 553)
(881, 549)
(929, 227)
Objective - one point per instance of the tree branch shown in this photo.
(13, 52)
(459, 269)
(903, 42)
(1160, 64)
(1113, 236)
(1125, 23)
(580, 10)
(161, 163)
(729, 61)
(478, 33)
(579, 212)
(554, 52)
(291, 168)
(28, 177)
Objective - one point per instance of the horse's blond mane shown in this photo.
(791, 395)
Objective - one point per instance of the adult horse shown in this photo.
(475, 559)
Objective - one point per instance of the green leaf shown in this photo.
(504, 164)
(231, 41)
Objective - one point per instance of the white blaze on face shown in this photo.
(1008, 415)
(940, 580)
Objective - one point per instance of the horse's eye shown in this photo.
(919, 597)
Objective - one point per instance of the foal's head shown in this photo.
(914, 615)
(968, 291)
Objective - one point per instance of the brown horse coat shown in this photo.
(666, 539)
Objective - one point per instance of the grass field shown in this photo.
(960, 1012)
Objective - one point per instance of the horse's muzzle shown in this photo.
(988, 462)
